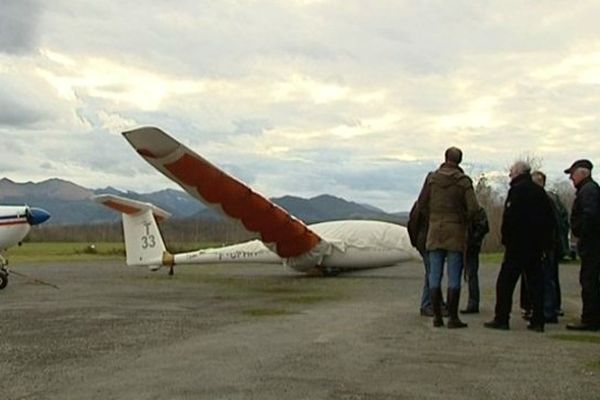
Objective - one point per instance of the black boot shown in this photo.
(453, 298)
(436, 305)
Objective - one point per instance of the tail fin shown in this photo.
(143, 241)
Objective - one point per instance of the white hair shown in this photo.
(520, 167)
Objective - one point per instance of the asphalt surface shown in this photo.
(261, 332)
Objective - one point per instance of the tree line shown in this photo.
(491, 197)
(173, 230)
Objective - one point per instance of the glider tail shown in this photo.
(144, 245)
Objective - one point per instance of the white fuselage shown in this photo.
(354, 245)
(13, 225)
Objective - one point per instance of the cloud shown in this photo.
(19, 22)
(21, 102)
(300, 97)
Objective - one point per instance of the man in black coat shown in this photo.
(585, 225)
(527, 228)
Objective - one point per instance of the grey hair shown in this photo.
(584, 172)
(521, 167)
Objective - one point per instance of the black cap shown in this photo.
(587, 164)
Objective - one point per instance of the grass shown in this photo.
(578, 338)
(309, 298)
(284, 295)
(496, 258)
(266, 312)
(80, 251)
(595, 339)
(64, 251)
(491, 258)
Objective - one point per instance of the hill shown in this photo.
(71, 204)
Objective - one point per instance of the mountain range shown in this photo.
(71, 204)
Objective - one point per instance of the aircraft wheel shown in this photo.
(3, 279)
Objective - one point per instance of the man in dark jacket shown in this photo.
(553, 255)
(417, 231)
(477, 231)
(585, 225)
(527, 228)
(552, 293)
(448, 200)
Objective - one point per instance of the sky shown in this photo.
(358, 99)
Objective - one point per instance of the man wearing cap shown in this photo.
(585, 225)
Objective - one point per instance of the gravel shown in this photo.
(262, 332)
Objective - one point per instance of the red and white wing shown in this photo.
(283, 233)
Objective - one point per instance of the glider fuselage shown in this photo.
(356, 244)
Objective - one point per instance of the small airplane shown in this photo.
(326, 248)
(15, 224)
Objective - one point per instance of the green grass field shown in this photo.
(496, 258)
(81, 251)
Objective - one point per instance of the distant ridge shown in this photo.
(71, 204)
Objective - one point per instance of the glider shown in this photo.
(327, 247)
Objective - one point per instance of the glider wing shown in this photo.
(280, 231)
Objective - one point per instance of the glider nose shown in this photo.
(36, 216)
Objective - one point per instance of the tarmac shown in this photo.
(263, 332)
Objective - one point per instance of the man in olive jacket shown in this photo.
(585, 225)
(448, 200)
(528, 225)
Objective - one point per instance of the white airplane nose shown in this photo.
(36, 216)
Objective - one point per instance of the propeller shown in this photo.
(36, 216)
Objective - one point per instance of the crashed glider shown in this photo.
(328, 247)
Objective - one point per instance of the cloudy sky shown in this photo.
(354, 98)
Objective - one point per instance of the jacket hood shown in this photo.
(448, 174)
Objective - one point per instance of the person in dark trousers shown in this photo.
(563, 248)
(551, 285)
(585, 226)
(527, 228)
(552, 292)
(524, 299)
(448, 200)
(417, 232)
(477, 231)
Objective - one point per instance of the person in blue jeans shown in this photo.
(448, 201)
(417, 232)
